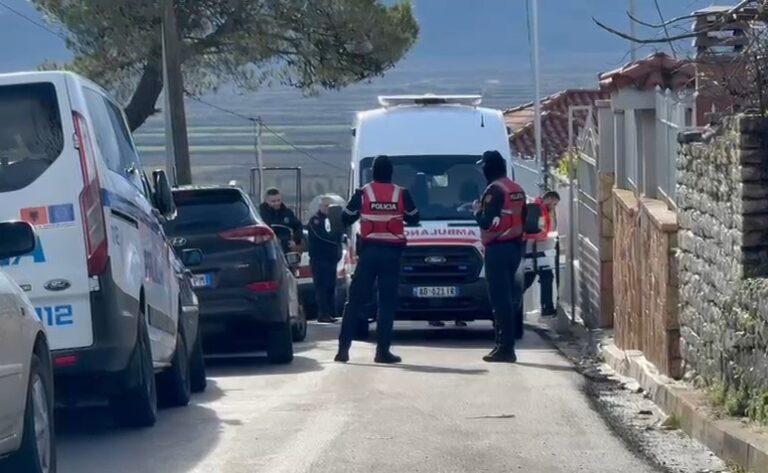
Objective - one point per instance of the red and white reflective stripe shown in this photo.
(371, 195)
(381, 218)
(395, 194)
(385, 236)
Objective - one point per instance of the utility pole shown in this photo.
(632, 30)
(177, 145)
(258, 129)
(540, 159)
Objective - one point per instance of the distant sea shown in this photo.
(222, 144)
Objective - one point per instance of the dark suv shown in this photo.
(244, 284)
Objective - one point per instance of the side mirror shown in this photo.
(192, 257)
(16, 239)
(163, 195)
(293, 259)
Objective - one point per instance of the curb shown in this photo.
(730, 439)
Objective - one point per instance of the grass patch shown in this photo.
(671, 423)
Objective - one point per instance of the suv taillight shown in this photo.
(255, 234)
(91, 206)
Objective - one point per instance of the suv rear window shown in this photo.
(208, 211)
(31, 136)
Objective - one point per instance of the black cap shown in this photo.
(492, 157)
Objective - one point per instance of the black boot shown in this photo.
(327, 319)
(387, 358)
(499, 355)
(342, 356)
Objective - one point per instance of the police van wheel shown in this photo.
(137, 406)
(362, 330)
(175, 386)
(280, 343)
(198, 380)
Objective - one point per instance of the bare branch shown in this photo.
(661, 25)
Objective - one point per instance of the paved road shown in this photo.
(443, 410)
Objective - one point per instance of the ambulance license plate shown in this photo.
(202, 280)
(435, 292)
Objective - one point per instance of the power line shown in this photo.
(33, 21)
(267, 128)
(666, 28)
(299, 150)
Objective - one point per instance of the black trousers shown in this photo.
(546, 278)
(379, 266)
(505, 288)
(324, 278)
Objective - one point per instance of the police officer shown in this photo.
(324, 256)
(546, 204)
(501, 214)
(275, 213)
(383, 209)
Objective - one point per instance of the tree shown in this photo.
(308, 44)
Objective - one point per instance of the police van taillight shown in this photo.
(91, 206)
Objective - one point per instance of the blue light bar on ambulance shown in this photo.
(430, 99)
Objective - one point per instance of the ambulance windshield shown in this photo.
(442, 187)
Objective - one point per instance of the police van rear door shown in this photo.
(41, 182)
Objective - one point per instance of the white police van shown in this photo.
(101, 275)
(434, 143)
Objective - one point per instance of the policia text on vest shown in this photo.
(383, 210)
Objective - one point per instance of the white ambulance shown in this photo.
(101, 276)
(434, 143)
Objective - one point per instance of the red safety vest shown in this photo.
(508, 226)
(545, 222)
(381, 215)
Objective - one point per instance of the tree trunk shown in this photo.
(144, 100)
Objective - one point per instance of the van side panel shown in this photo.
(55, 275)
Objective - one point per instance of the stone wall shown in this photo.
(645, 280)
(605, 211)
(723, 255)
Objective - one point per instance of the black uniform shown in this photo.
(283, 217)
(324, 255)
(502, 266)
(378, 265)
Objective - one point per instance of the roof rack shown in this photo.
(430, 99)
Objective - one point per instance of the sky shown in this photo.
(454, 33)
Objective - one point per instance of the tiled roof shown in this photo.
(656, 70)
(554, 122)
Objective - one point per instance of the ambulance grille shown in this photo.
(440, 265)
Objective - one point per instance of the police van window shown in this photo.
(206, 211)
(31, 135)
(106, 138)
(128, 156)
(442, 187)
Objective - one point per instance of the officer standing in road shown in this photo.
(324, 255)
(278, 216)
(501, 215)
(383, 209)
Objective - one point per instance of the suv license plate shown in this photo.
(202, 280)
(433, 292)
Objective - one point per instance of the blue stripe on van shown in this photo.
(121, 204)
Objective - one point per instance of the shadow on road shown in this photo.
(547, 367)
(258, 365)
(424, 368)
(88, 441)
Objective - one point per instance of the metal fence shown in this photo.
(674, 113)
